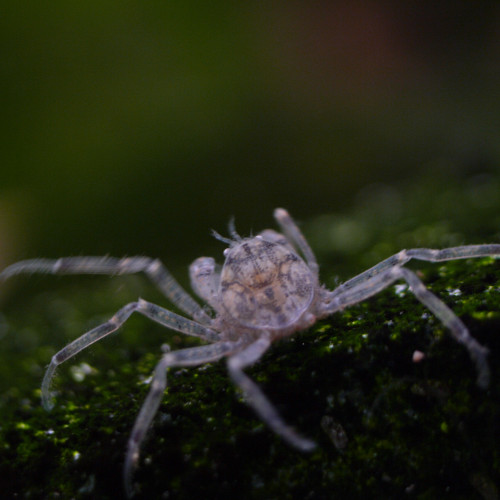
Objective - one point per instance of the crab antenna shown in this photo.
(219, 237)
(232, 230)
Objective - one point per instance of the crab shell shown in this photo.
(265, 285)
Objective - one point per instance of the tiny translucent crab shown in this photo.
(268, 288)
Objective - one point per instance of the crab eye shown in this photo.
(225, 252)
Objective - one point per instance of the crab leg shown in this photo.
(153, 268)
(425, 254)
(152, 311)
(255, 396)
(368, 287)
(295, 235)
(185, 357)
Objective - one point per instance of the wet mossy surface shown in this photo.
(385, 426)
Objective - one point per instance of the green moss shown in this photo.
(418, 429)
(421, 427)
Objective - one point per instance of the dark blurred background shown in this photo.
(136, 127)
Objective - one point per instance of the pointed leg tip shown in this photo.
(483, 379)
(309, 446)
(48, 403)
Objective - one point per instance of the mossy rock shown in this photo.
(386, 427)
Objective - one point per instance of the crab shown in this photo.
(268, 288)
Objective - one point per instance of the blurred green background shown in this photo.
(136, 127)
